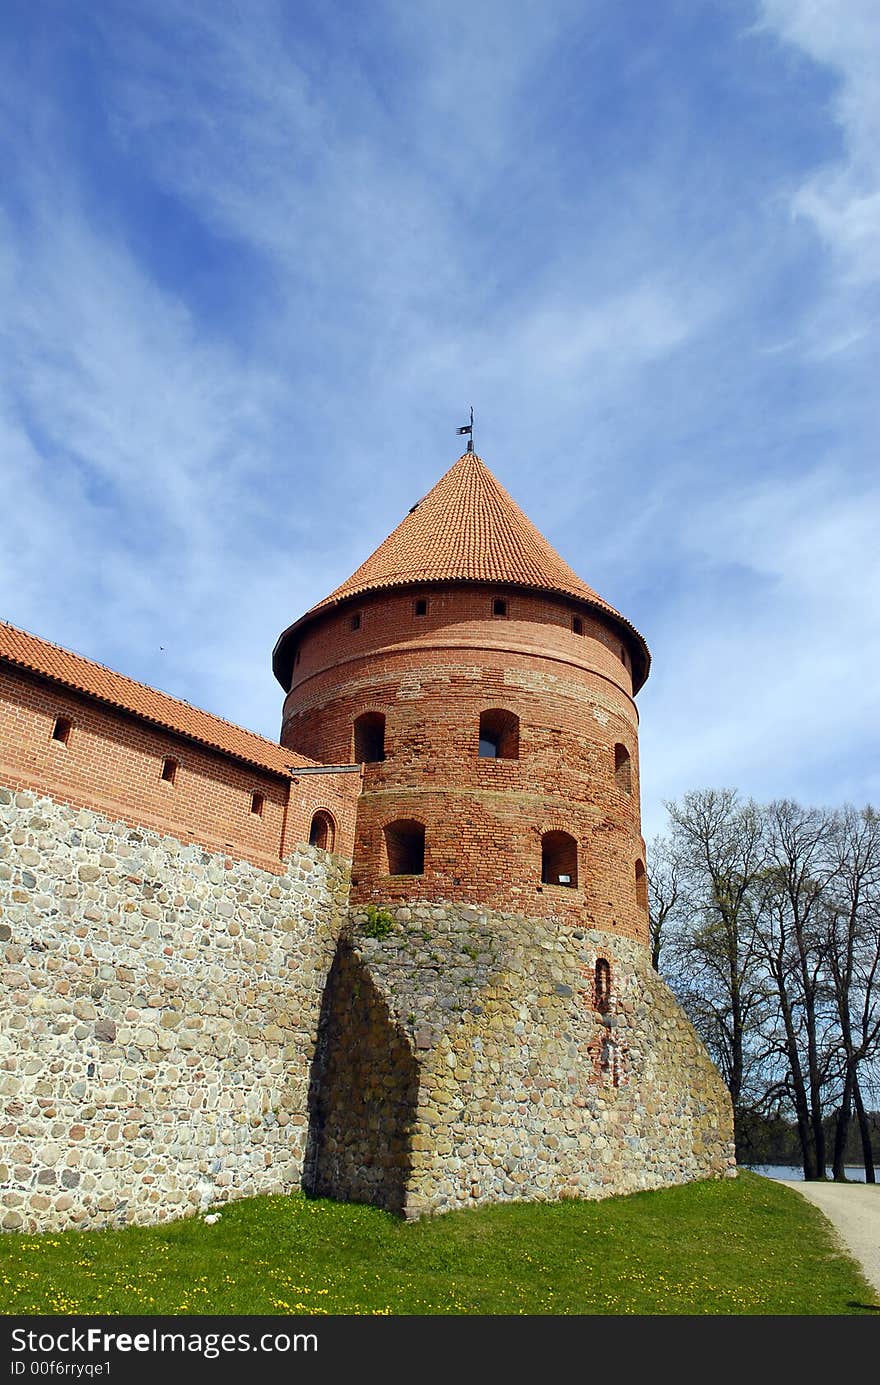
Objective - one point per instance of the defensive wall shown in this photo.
(164, 949)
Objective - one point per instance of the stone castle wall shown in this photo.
(530, 1085)
(180, 1028)
(160, 1006)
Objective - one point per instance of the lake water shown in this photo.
(794, 1174)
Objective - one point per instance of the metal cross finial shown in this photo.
(469, 430)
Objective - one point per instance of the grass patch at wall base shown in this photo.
(743, 1246)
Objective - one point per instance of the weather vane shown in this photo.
(469, 430)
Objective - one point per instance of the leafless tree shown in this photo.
(664, 893)
(765, 921)
(853, 949)
(799, 869)
(717, 843)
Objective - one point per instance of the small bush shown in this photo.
(379, 922)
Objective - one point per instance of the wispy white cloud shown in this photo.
(256, 260)
(842, 199)
(769, 659)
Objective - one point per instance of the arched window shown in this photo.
(369, 738)
(322, 832)
(622, 769)
(602, 985)
(499, 735)
(558, 859)
(641, 886)
(405, 847)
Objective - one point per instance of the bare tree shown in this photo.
(799, 869)
(664, 892)
(853, 922)
(717, 842)
(766, 924)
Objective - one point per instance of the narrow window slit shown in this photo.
(61, 730)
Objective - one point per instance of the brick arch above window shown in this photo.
(559, 859)
(622, 768)
(404, 843)
(641, 886)
(499, 735)
(369, 738)
(322, 831)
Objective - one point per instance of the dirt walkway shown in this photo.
(854, 1210)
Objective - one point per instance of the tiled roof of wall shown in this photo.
(82, 675)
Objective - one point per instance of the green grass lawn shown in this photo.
(743, 1246)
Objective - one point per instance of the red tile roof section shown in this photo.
(94, 680)
(468, 529)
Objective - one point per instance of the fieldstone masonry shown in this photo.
(528, 1084)
(160, 1005)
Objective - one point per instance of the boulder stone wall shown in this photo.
(159, 1012)
(551, 1063)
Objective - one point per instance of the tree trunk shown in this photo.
(865, 1132)
(844, 1117)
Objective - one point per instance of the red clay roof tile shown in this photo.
(468, 528)
(82, 675)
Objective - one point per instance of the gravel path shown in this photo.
(854, 1210)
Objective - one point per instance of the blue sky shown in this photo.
(258, 259)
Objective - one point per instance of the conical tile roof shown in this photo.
(468, 529)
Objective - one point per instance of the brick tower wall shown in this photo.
(431, 676)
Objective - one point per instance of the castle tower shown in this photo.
(489, 693)
(491, 1026)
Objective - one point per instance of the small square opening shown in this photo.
(169, 770)
(257, 801)
(355, 622)
(499, 606)
(577, 625)
(421, 606)
(61, 730)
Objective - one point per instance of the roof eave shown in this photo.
(282, 654)
(228, 754)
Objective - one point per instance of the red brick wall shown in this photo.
(432, 676)
(112, 763)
